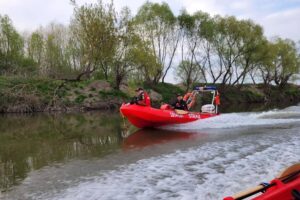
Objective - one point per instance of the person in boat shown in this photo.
(180, 104)
(217, 99)
(142, 98)
(190, 99)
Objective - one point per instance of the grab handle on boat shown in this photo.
(251, 191)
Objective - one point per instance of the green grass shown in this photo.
(80, 99)
(41, 91)
(292, 91)
(113, 93)
(167, 90)
(77, 91)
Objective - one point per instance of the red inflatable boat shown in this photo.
(145, 116)
(148, 117)
(285, 187)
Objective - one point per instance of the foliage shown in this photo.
(123, 62)
(11, 47)
(102, 43)
(168, 91)
(286, 62)
(93, 38)
(80, 99)
(35, 47)
(113, 94)
(157, 27)
(188, 73)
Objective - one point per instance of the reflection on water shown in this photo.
(147, 137)
(31, 142)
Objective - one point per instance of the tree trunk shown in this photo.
(170, 62)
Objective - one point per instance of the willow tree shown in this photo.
(188, 73)
(280, 61)
(35, 47)
(56, 62)
(287, 61)
(157, 26)
(251, 42)
(123, 62)
(229, 47)
(146, 65)
(266, 67)
(192, 40)
(93, 33)
(11, 46)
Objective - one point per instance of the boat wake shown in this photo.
(233, 120)
(210, 171)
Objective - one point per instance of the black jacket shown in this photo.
(180, 105)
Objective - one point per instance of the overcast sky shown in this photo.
(278, 17)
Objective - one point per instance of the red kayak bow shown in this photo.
(285, 187)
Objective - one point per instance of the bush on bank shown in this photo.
(39, 95)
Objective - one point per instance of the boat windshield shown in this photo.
(205, 99)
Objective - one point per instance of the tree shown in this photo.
(265, 65)
(156, 25)
(35, 47)
(56, 61)
(192, 39)
(93, 31)
(212, 48)
(252, 41)
(230, 38)
(146, 65)
(208, 52)
(287, 61)
(279, 62)
(122, 62)
(11, 46)
(188, 73)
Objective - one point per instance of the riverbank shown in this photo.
(23, 95)
(20, 95)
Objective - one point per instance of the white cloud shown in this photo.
(285, 24)
(30, 14)
(241, 5)
(277, 17)
(211, 6)
(8, 3)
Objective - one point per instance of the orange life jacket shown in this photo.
(190, 96)
(147, 99)
(217, 99)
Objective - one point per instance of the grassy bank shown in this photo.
(260, 94)
(40, 95)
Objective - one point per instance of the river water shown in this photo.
(92, 156)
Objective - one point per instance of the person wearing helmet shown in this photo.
(142, 98)
(180, 104)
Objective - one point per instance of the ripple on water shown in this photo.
(211, 171)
